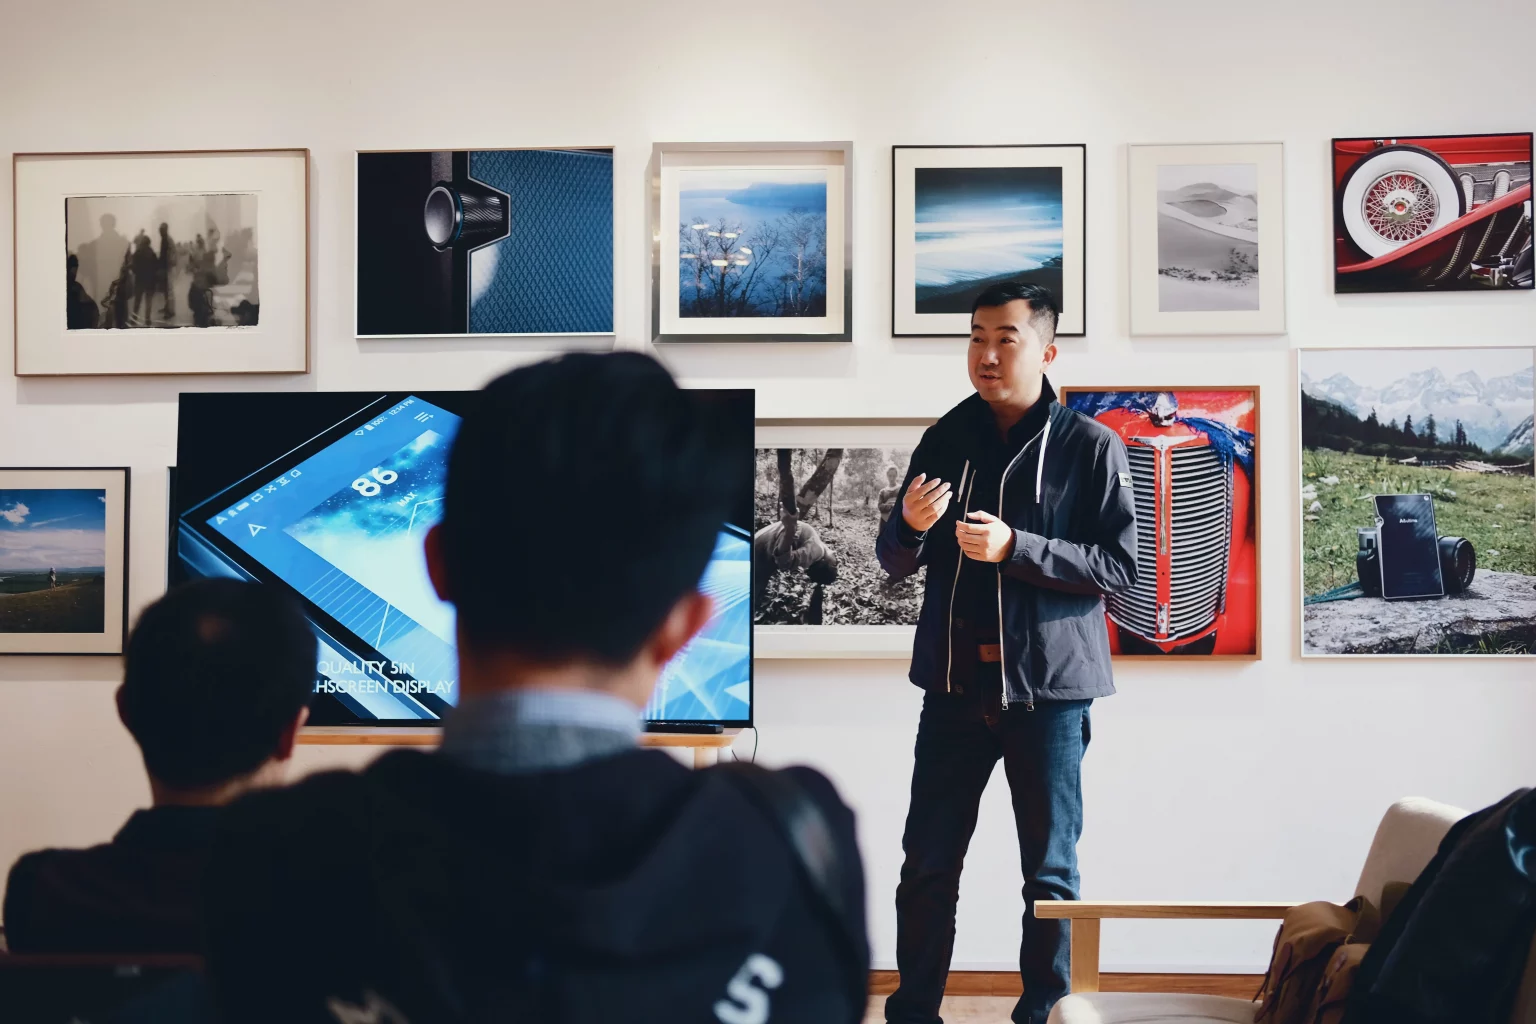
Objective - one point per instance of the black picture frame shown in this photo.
(1076, 325)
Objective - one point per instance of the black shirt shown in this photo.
(976, 611)
(140, 893)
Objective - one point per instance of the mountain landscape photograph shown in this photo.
(1452, 423)
(1207, 237)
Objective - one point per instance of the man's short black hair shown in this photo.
(215, 671)
(585, 496)
(1044, 310)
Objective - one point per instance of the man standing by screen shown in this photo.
(1023, 512)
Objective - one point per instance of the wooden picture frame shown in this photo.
(1178, 611)
(1355, 443)
(64, 588)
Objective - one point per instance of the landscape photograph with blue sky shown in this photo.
(977, 226)
(53, 552)
(752, 242)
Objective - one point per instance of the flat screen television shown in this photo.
(329, 494)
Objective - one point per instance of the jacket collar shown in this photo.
(1027, 427)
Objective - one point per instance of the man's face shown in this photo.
(890, 474)
(1007, 356)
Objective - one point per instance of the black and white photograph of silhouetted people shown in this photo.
(168, 261)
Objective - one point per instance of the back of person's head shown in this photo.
(217, 673)
(1044, 309)
(585, 496)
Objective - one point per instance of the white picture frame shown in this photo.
(906, 162)
(674, 165)
(1204, 298)
(834, 640)
(43, 183)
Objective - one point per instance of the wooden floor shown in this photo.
(987, 997)
(956, 1009)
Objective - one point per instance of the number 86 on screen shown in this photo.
(370, 485)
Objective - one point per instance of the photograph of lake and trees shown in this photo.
(752, 242)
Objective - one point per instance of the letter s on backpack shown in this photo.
(747, 1003)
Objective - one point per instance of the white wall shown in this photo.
(1204, 781)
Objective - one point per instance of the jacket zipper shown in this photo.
(1002, 635)
(949, 633)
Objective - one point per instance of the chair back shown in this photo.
(1406, 840)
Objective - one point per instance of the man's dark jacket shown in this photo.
(1067, 495)
(140, 893)
(627, 888)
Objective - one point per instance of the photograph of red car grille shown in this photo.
(1192, 464)
(1443, 212)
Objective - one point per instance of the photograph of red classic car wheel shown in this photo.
(1194, 457)
(1442, 212)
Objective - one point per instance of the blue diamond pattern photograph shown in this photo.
(500, 241)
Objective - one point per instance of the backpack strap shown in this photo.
(805, 828)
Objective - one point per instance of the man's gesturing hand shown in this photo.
(989, 539)
(925, 502)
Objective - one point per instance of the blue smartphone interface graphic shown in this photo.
(343, 527)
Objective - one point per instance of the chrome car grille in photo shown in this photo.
(1184, 536)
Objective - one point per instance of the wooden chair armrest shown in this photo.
(1078, 910)
(1086, 916)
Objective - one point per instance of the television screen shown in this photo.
(329, 494)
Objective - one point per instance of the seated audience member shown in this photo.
(539, 867)
(218, 678)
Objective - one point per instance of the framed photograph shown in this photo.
(500, 242)
(752, 241)
(1194, 456)
(966, 217)
(1207, 238)
(176, 262)
(63, 561)
(1432, 213)
(1418, 504)
(824, 490)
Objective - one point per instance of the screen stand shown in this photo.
(691, 728)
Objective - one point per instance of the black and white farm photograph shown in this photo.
(1207, 237)
(818, 512)
(161, 261)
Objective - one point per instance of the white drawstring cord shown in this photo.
(1045, 437)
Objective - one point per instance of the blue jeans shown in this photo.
(959, 741)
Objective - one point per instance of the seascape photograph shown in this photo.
(978, 226)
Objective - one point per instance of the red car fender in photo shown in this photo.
(1433, 239)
